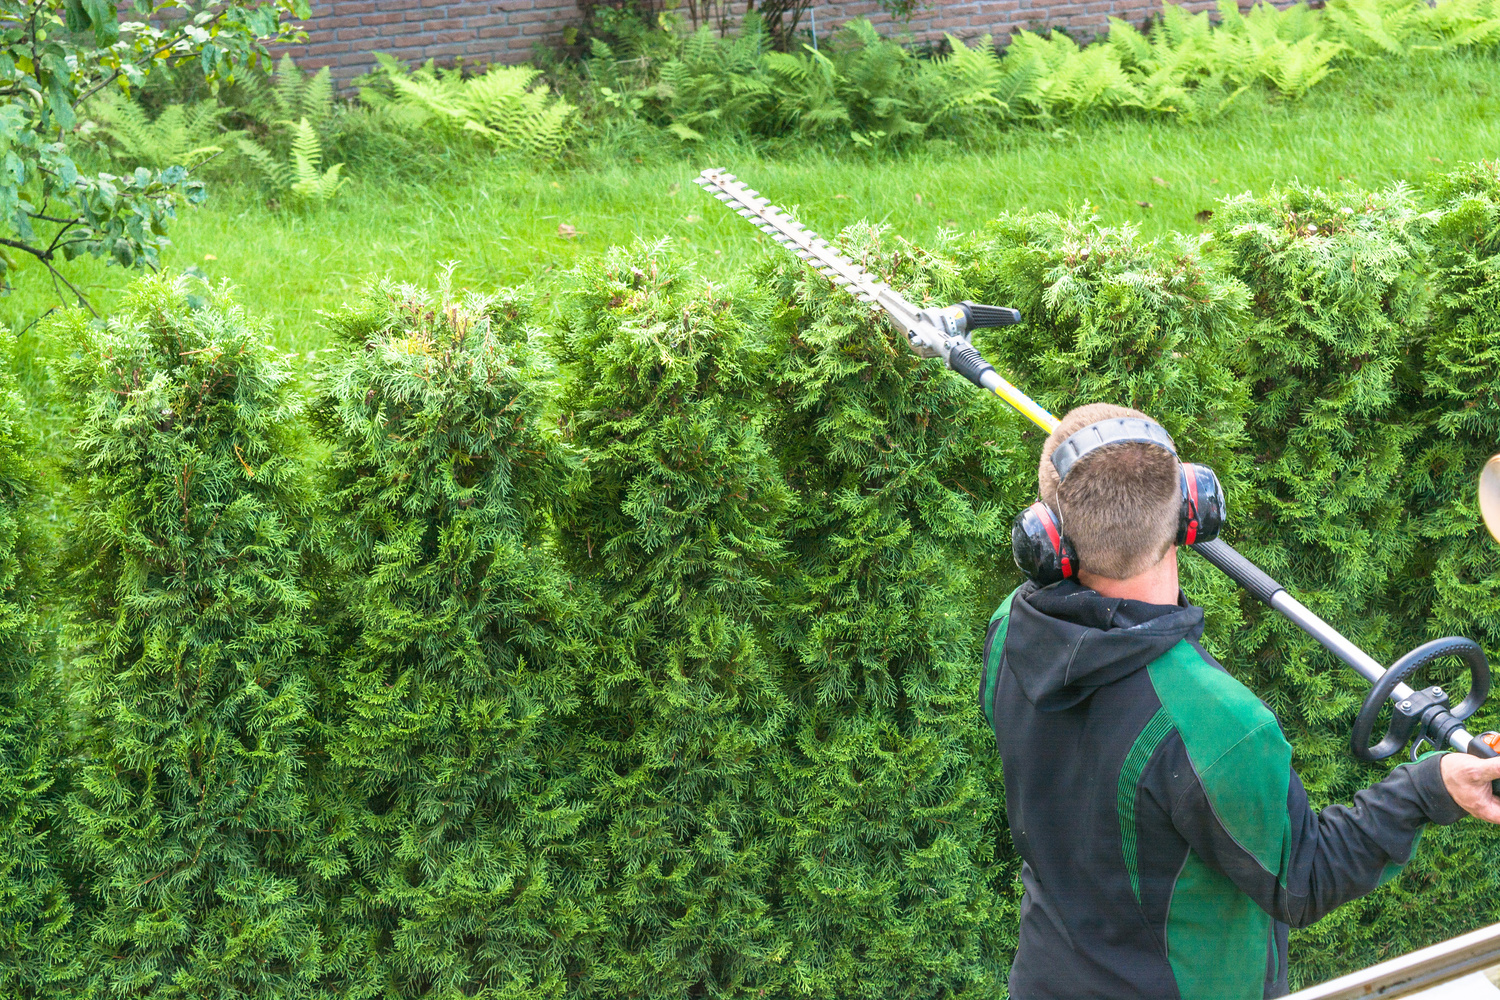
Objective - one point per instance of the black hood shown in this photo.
(1064, 641)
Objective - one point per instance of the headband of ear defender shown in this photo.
(1102, 434)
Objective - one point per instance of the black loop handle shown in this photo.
(1402, 724)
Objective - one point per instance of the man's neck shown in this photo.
(1157, 585)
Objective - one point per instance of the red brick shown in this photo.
(356, 34)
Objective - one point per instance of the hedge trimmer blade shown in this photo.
(806, 244)
(932, 333)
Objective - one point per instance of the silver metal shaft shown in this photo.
(1363, 663)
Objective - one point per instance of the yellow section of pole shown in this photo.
(1025, 405)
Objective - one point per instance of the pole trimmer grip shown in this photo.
(978, 315)
(1239, 569)
(1484, 745)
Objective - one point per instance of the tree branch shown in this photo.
(164, 48)
(57, 276)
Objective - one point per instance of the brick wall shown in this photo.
(343, 33)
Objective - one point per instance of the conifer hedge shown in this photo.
(36, 906)
(628, 649)
(189, 818)
(454, 791)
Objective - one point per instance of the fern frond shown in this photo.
(286, 87)
(317, 100)
(278, 175)
(183, 134)
(305, 144)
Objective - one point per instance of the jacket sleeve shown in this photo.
(1257, 827)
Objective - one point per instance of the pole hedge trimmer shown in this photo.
(944, 333)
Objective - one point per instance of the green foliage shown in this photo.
(300, 178)
(505, 106)
(1460, 389)
(652, 673)
(36, 909)
(455, 782)
(59, 53)
(680, 530)
(898, 873)
(1357, 498)
(189, 640)
(864, 91)
(275, 100)
(185, 134)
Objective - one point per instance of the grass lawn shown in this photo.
(1370, 125)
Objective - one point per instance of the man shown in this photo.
(1167, 842)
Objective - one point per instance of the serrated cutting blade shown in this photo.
(819, 254)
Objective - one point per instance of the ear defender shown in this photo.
(1202, 511)
(1038, 546)
(1037, 542)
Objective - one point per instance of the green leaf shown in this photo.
(74, 16)
(105, 19)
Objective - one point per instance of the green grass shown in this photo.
(1370, 125)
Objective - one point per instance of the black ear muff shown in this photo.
(1202, 505)
(1039, 548)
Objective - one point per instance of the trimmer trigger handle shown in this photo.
(977, 315)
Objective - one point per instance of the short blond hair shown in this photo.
(1120, 504)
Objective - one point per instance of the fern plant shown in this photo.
(976, 81)
(1283, 48)
(301, 176)
(505, 106)
(288, 95)
(182, 135)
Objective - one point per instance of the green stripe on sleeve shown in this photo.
(1156, 730)
(1237, 750)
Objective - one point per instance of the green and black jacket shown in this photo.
(1167, 842)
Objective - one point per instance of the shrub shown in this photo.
(37, 912)
(189, 636)
(1357, 502)
(680, 531)
(897, 872)
(455, 788)
(1460, 389)
(1336, 288)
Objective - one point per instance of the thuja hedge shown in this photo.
(626, 646)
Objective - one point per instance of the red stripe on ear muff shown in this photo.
(1190, 473)
(1055, 537)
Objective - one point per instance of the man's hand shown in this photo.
(1467, 779)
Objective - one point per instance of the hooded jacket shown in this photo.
(1167, 844)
